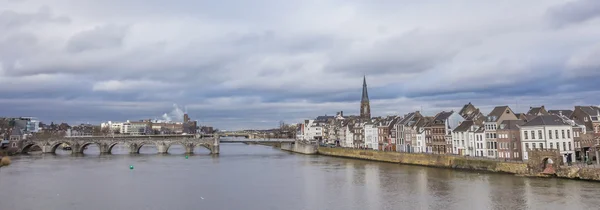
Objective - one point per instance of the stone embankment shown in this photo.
(441, 161)
(530, 169)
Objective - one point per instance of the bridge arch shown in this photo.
(85, 144)
(27, 147)
(111, 145)
(139, 145)
(56, 144)
(205, 145)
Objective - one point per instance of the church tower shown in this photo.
(365, 107)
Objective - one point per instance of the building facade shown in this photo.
(547, 132)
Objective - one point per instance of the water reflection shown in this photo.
(258, 177)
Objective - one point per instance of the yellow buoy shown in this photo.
(5, 161)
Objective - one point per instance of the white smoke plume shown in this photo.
(175, 115)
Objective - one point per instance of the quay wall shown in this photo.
(302, 148)
(432, 160)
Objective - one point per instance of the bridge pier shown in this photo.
(104, 149)
(189, 148)
(162, 148)
(133, 149)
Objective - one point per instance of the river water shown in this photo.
(252, 177)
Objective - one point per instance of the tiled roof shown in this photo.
(537, 111)
(464, 126)
(589, 110)
(511, 124)
(496, 113)
(546, 120)
(442, 116)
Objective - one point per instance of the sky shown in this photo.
(238, 64)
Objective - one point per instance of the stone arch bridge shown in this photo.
(134, 143)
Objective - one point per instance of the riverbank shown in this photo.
(431, 160)
(461, 162)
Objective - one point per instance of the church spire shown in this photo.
(365, 107)
(365, 94)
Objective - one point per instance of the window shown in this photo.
(549, 134)
(551, 145)
(540, 135)
(564, 145)
(569, 134)
(533, 145)
(532, 135)
(569, 145)
(541, 145)
(527, 145)
(563, 133)
(525, 135)
(556, 132)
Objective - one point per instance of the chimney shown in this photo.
(560, 113)
(342, 113)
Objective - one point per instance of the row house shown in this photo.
(385, 126)
(548, 132)
(417, 134)
(441, 131)
(590, 117)
(463, 138)
(491, 124)
(358, 133)
(405, 131)
(480, 142)
(371, 137)
(509, 139)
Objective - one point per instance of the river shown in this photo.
(253, 177)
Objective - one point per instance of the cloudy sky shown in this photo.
(249, 64)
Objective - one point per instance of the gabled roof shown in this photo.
(537, 111)
(442, 117)
(464, 126)
(496, 113)
(546, 120)
(589, 110)
(511, 124)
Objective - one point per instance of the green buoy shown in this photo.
(186, 157)
(131, 167)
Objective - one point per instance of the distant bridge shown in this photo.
(245, 134)
(134, 143)
(256, 141)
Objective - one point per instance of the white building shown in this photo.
(312, 130)
(463, 138)
(349, 139)
(371, 136)
(480, 143)
(547, 132)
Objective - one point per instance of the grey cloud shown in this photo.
(11, 19)
(412, 52)
(101, 37)
(574, 12)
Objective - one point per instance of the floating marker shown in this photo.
(131, 167)
(186, 157)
